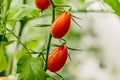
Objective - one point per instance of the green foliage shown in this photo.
(25, 11)
(3, 62)
(82, 1)
(3, 38)
(31, 68)
(115, 4)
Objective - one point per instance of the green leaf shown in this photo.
(42, 25)
(58, 1)
(115, 4)
(31, 44)
(26, 10)
(31, 68)
(3, 62)
(9, 42)
(35, 13)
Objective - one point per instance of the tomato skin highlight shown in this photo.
(61, 25)
(42, 4)
(57, 58)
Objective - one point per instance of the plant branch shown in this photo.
(60, 76)
(50, 36)
(19, 40)
(76, 23)
(91, 11)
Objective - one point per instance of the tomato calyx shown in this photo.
(63, 42)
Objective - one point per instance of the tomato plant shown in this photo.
(61, 25)
(42, 4)
(57, 58)
(32, 46)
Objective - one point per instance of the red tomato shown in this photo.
(57, 58)
(61, 25)
(42, 4)
(4, 78)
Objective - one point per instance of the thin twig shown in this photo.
(91, 11)
(59, 76)
(76, 23)
(69, 57)
(75, 17)
(52, 44)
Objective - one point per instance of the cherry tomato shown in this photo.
(4, 78)
(57, 58)
(61, 25)
(42, 4)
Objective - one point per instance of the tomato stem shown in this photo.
(50, 36)
(63, 41)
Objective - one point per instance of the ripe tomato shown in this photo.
(42, 4)
(61, 25)
(4, 78)
(57, 58)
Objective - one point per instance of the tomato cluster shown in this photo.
(59, 29)
(57, 58)
(42, 4)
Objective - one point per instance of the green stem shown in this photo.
(18, 36)
(24, 1)
(23, 22)
(1, 3)
(57, 5)
(4, 7)
(60, 76)
(48, 48)
(50, 36)
(5, 15)
(91, 11)
(19, 40)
